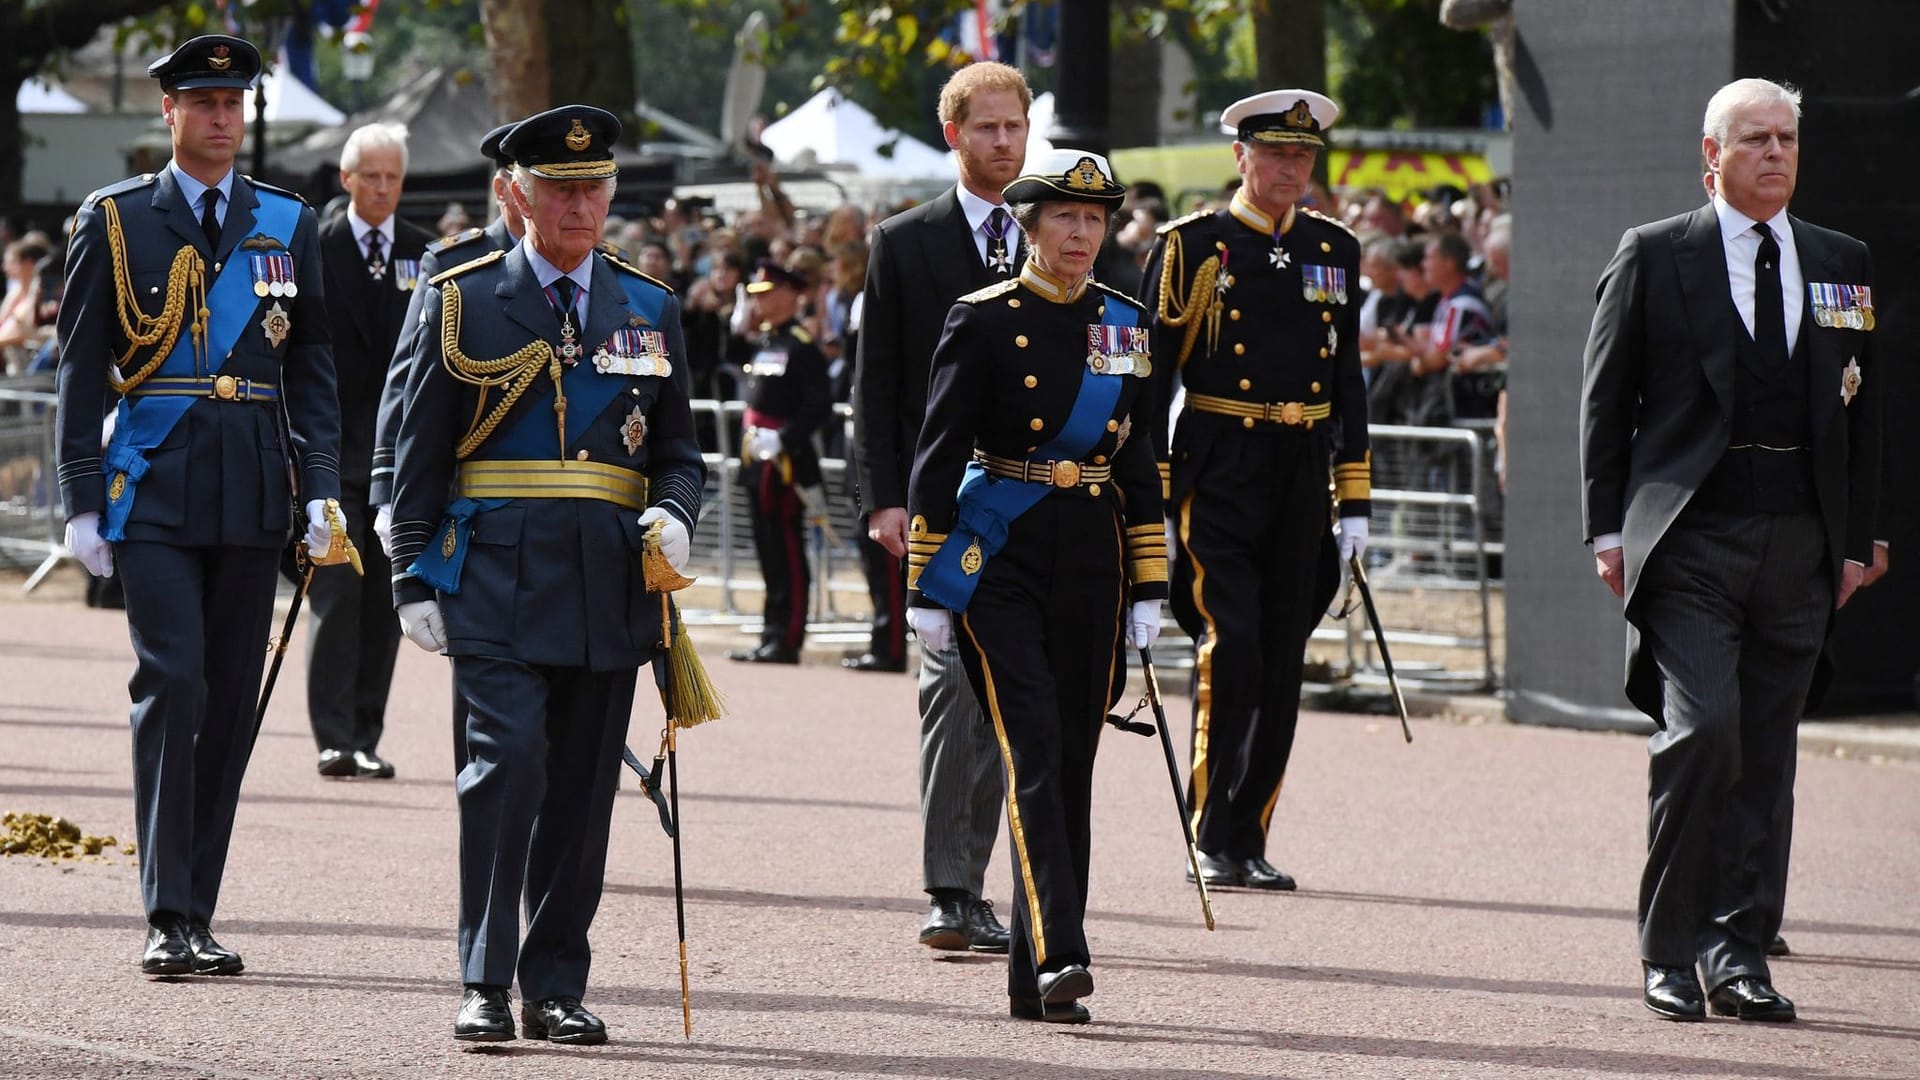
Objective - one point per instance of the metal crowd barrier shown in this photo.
(31, 524)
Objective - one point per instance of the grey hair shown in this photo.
(1027, 216)
(1740, 93)
(523, 183)
(374, 137)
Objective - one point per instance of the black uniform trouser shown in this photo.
(1040, 641)
(539, 768)
(199, 618)
(1250, 528)
(887, 588)
(779, 537)
(1734, 609)
(352, 641)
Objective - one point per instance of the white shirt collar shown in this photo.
(546, 273)
(361, 229)
(976, 208)
(1733, 223)
(193, 189)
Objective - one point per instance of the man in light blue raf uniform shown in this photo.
(193, 308)
(545, 433)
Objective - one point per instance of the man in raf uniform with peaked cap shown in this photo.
(544, 436)
(1259, 305)
(194, 295)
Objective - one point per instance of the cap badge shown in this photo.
(220, 61)
(1085, 176)
(578, 138)
(1300, 116)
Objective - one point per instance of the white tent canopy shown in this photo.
(1039, 122)
(290, 101)
(830, 130)
(39, 97)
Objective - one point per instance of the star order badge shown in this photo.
(1850, 381)
(276, 324)
(633, 431)
(1280, 257)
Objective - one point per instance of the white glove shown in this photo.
(420, 621)
(319, 534)
(764, 444)
(1143, 627)
(674, 542)
(83, 539)
(934, 625)
(1353, 537)
(383, 527)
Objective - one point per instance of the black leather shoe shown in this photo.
(984, 932)
(167, 952)
(336, 763)
(1070, 983)
(368, 765)
(1258, 873)
(209, 956)
(767, 654)
(1750, 997)
(871, 662)
(1673, 993)
(562, 1020)
(947, 925)
(1025, 1008)
(1219, 872)
(1778, 947)
(486, 1015)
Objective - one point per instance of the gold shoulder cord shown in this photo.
(186, 284)
(515, 371)
(1201, 298)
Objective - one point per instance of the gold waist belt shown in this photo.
(552, 480)
(1294, 413)
(217, 387)
(1060, 474)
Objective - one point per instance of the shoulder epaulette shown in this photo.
(129, 184)
(1111, 291)
(1333, 221)
(998, 288)
(472, 264)
(800, 334)
(1187, 220)
(463, 237)
(623, 264)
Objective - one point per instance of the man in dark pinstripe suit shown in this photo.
(1730, 450)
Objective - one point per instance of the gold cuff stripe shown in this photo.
(1360, 488)
(552, 480)
(1142, 571)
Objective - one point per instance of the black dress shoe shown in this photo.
(1750, 997)
(167, 952)
(1258, 873)
(1026, 1008)
(1674, 993)
(486, 1015)
(1219, 872)
(1778, 947)
(871, 662)
(768, 653)
(562, 1020)
(984, 932)
(946, 926)
(368, 765)
(209, 956)
(1070, 983)
(336, 763)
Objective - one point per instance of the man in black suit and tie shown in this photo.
(1730, 451)
(923, 260)
(372, 259)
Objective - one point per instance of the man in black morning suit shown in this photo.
(372, 259)
(219, 278)
(1730, 452)
(923, 260)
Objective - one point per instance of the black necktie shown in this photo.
(568, 292)
(376, 261)
(210, 217)
(1769, 305)
(999, 258)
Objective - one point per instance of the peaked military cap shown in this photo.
(1066, 173)
(490, 147)
(1281, 116)
(772, 275)
(211, 60)
(572, 142)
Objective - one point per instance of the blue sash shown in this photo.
(988, 505)
(141, 424)
(531, 437)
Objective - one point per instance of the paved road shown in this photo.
(1466, 907)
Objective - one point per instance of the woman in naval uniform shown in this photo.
(1036, 539)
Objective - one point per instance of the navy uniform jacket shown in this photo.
(1273, 344)
(787, 382)
(1004, 379)
(222, 476)
(366, 316)
(440, 255)
(548, 581)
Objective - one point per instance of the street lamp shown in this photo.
(356, 63)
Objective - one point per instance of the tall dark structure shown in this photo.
(1081, 102)
(1607, 135)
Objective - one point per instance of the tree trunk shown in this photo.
(519, 79)
(590, 48)
(1290, 44)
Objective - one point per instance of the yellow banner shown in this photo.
(1401, 173)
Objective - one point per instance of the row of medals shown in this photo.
(1843, 318)
(264, 289)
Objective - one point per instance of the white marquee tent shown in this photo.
(39, 97)
(831, 130)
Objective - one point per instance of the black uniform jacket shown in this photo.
(787, 382)
(222, 475)
(366, 316)
(552, 581)
(1005, 377)
(1657, 406)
